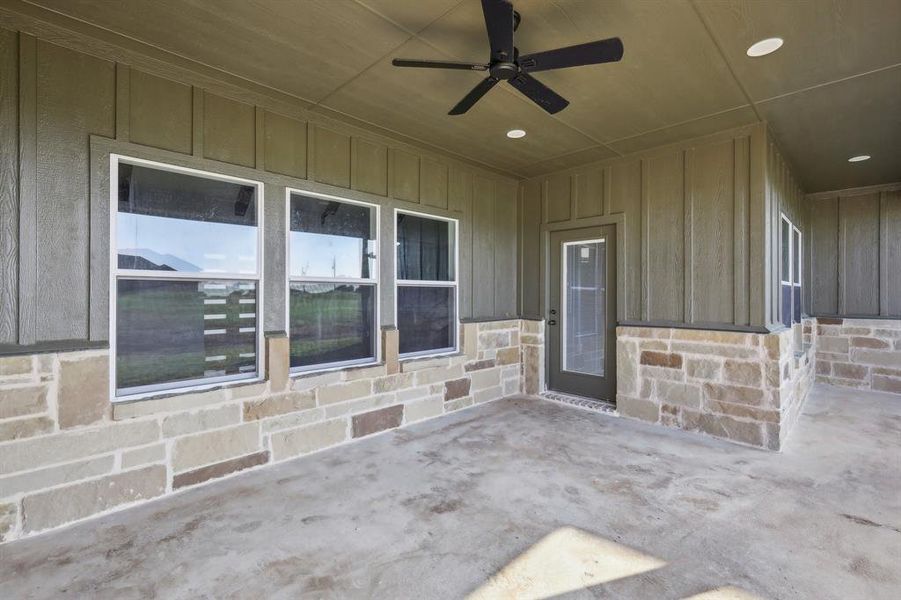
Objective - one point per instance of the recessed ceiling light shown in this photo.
(516, 133)
(859, 158)
(764, 47)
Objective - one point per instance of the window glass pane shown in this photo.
(425, 249)
(331, 323)
(584, 319)
(174, 331)
(425, 318)
(177, 222)
(785, 251)
(796, 256)
(332, 239)
(786, 304)
(796, 305)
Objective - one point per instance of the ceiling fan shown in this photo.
(506, 63)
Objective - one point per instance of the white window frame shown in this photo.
(790, 281)
(454, 283)
(782, 275)
(796, 287)
(115, 273)
(373, 280)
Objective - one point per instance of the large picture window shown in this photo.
(186, 274)
(790, 269)
(333, 275)
(426, 284)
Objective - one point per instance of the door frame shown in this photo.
(601, 387)
(618, 220)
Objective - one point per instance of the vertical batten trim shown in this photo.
(99, 245)
(354, 157)
(28, 228)
(311, 151)
(645, 238)
(741, 223)
(123, 102)
(758, 242)
(259, 140)
(573, 196)
(841, 257)
(197, 122)
(520, 226)
(9, 189)
(389, 183)
(544, 260)
(544, 192)
(607, 202)
(883, 256)
(687, 226)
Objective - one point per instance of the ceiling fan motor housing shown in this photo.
(503, 70)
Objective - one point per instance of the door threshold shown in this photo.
(592, 404)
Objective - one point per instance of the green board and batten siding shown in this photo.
(59, 103)
(784, 196)
(854, 255)
(684, 215)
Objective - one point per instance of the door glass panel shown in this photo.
(585, 306)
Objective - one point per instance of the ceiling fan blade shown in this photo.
(592, 53)
(539, 93)
(499, 23)
(438, 64)
(474, 96)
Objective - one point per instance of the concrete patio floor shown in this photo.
(554, 498)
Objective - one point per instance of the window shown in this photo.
(185, 277)
(790, 273)
(332, 287)
(796, 275)
(426, 284)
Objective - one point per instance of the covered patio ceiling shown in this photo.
(830, 93)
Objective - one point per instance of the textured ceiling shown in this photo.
(833, 90)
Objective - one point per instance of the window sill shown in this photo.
(131, 407)
(300, 374)
(416, 358)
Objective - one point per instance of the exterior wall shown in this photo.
(62, 99)
(690, 229)
(783, 195)
(67, 454)
(854, 254)
(860, 353)
(743, 387)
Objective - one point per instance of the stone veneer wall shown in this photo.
(533, 367)
(743, 387)
(67, 453)
(860, 353)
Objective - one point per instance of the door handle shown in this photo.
(552, 322)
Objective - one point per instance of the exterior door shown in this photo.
(581, 319)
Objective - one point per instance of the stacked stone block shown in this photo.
(67, 453)
(744, 387)
(533, 366)
(860, 353)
